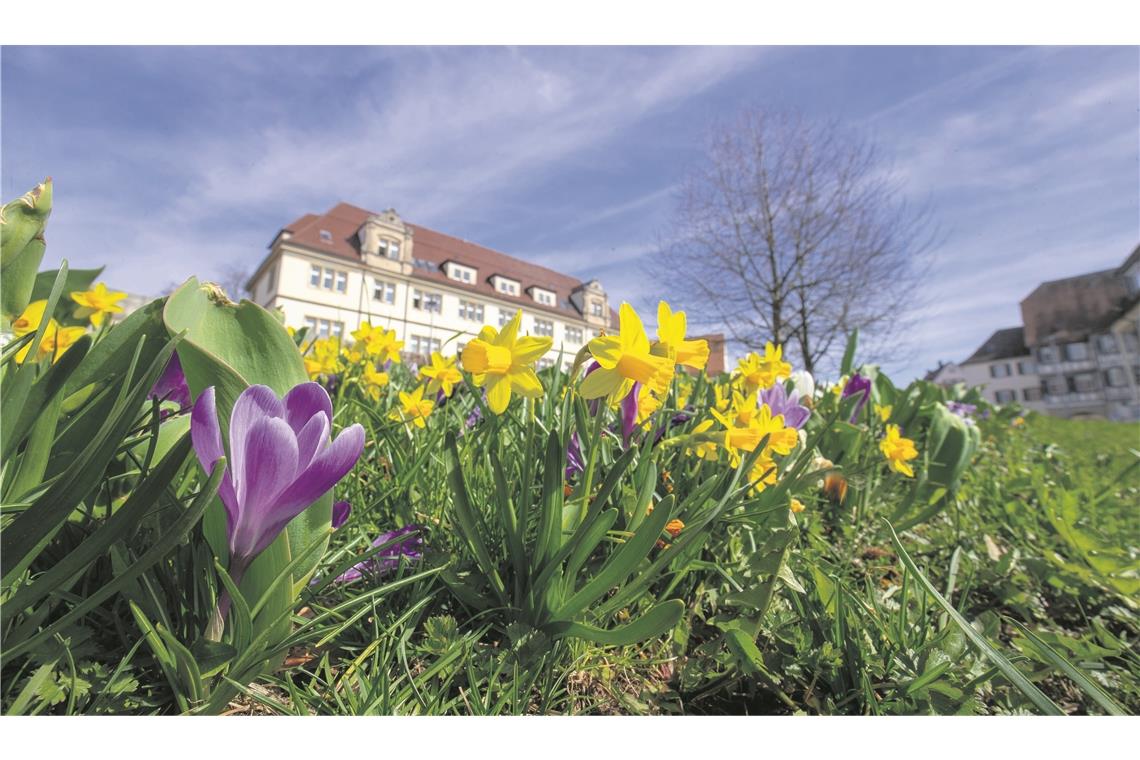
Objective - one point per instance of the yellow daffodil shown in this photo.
(500, 362)
(373, 381)
(763, 472)
(671, 341)
(414, 408)
(781, 439)
(323, 357)
(796, 506)
(884, 412)
(625, 359)
(443, 373)
(898, 451)
(97, 302)
(704, 449)
(762, 372)
(29, 321)
(378, 342)
(736, 437)
(647, 404)
(55, 341)
(1018, 421)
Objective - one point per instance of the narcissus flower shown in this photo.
(29, 321)
(625, 359)
(760, 372)
(378, 342)
(781, 439)
(796, 506)
(442, 373)
(281, 460)
(883, 411)
(373, 380)
(96, 303)
(500, 362)
(671, 340)
(763, 472)
(898, 451)
(703, 449)
(414, 408)
(323, 358)
(55, 339)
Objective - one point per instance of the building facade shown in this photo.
(335, 270)
(1004, 367)
(1077, 353)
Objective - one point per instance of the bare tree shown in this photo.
(794, 231)
(233, 279)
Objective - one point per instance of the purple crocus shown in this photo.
(171, 385)
(629, 414)
(779, 402)
(280, 461)
(340, 513)
(574, 463)
(388, 558)
(861, 385)
(962, 410)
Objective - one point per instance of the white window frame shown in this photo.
(427, 300)
(574, 334)
(383, 291)
(544, 296)
(315, 274)
(471, 310)
(341, 282)
(544, 327)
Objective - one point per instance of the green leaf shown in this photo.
(1097, 694)
(22, 246)
(1007, 668)
(77, 280)
(466, 520)
(848, 362)
(656, 621)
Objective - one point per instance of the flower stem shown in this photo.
(595, 445)
(217, 624)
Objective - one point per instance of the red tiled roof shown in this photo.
(343, 220)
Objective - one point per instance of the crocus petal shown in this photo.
(629, 414)
(206, 436)
(270, 466)
(311, 439)
(340, 512)
(303, 402)
(255, 403)
(327, 467)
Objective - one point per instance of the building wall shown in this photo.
(1020, 378)
(285, 282)
(1097, 377)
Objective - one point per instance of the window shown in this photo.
(424, 264)
(1115, 377)
(1084, 382)
(326, 236)
(1004, 397)
(1026, 367)
(389, 249)
(544, 363)
(324, 328)
(427, 301)
(596, 308)
(503, 285)
(271, 279)
(423, 345)
(1031, 394)
(1106, 344)
(543, 327)
(326, 278)
(1131, 342)
(1047, 354)
(384, 292)
(1055, 385)
(470, 310)
(505, 316)
(460, 272)
(999, 370)
(573, 334)
(1076, 352)
(545, 297)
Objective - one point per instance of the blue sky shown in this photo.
(176, 161)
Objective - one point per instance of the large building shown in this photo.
(1077, 353)
(333, 271)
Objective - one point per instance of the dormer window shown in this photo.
(460, 273)
(326, 236)
(389, 249)
(506, 285)
(544, 297)
(596, 308)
